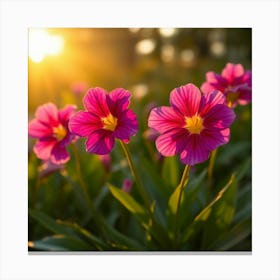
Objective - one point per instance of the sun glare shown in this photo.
(42, 44)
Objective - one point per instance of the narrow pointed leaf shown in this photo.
(222, 215)
(229, 239)
(204, 215)
(59, 243)
(49, 223)
(85, 234)
(127, 201)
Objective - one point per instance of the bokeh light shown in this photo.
(145, 46)
(41, 44)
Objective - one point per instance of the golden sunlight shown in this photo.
(42, 44)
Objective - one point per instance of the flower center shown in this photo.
(110, 122)
(59, 132)
(194, 124)
(232, 98)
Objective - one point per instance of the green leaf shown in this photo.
(116, 240)
(205, 214)
(194, 198)
(173, 201)
(232, 150)
(85, 234)
(222, 214)
(49, 223)
(170, 172)
(152, 227)
(233, 237)
(68, 228)
(244, 169)
(59, 243)
(127, 201)
(121, 242)
(244, 203)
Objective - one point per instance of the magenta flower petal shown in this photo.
(95, 102)
(43, 148)
(38, 129)
(247, 78)
(172, 142)
(232, 72)
(214, 81)
(207, 87)
(100, 142)
(186, 99)
(209, 100)
(127, 125)
(245, 95)
(66, 113)
(194, 152)
(84, 123)
(118, 101)
(59, 154)
(47, 114)
(165, 118)
(213, 139)
(218, 117)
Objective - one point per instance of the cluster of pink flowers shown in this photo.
(234, 82)
(195, 123)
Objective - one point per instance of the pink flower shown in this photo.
(106, 117)
(235, 83)
(50, 127)
(127, 185)
(193, 126)
(79, 88)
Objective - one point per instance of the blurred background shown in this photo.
(64, 63)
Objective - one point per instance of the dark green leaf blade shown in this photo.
(204, 215)
(59, 243)
(221, 215)
(49, 223)
(236, 234)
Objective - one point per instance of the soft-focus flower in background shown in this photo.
(79, 88)
(106, 117)
(127, 185)
(106, 161)
(50, 127)
(193, 126)
(234, 82)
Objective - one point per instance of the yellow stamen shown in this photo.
(59, 132)
(110, 122)
(194, 124)
(232, 98)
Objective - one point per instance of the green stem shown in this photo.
(139, 185)
(158, 231)
(210, 169)
(181, 187)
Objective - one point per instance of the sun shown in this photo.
(42, 44)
